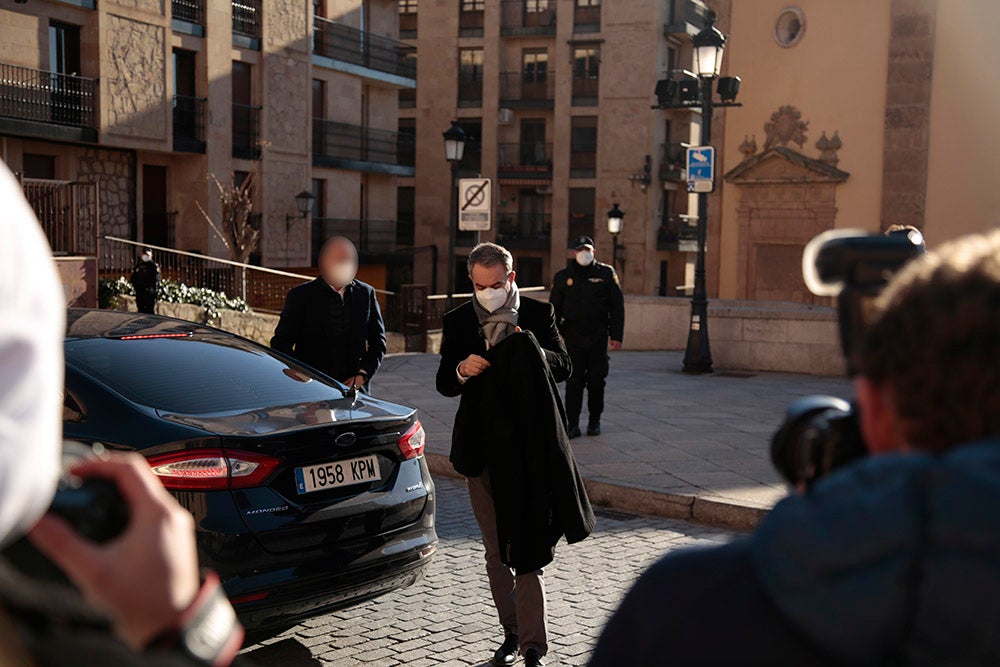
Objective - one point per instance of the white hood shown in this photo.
(32, 322)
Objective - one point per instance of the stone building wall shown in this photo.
(114, 173)
(135, 76)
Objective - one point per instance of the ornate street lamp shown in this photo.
(615, 219)
(709, 46)
(454, 149)
(304, 202)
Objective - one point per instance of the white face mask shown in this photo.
(584, 257)
(341, 275)
(492, 298)
(146, 257)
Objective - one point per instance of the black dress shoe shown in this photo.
(507, 653)
(574, 432)
(594, 428)
(533, 659)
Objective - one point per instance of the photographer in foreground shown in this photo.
(142, 602)
(893, 559)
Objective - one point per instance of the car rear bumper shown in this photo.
(310, 589)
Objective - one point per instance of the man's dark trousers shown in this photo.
(590, 371)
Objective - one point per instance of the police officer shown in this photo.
(590, 308)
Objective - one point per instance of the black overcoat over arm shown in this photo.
(461, 337)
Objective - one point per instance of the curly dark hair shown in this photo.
(934, 344)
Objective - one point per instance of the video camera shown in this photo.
(821, 433)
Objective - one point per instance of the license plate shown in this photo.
(337, 473)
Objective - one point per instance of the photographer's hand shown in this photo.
(145, 577)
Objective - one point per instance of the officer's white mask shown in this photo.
(585, 257)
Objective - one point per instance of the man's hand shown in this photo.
(616, 345)
(145, 577)
(473, 366)
(355, 382)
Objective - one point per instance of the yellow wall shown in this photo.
(835, 75)
(963, 180)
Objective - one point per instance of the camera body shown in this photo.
(821, 433)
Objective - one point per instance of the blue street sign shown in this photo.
(701, 163)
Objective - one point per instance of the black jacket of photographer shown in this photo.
(341, 338)
(510, 423)
(51, 623)
(893, 560)
(590, 306)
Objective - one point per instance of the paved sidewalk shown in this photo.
(685, 446)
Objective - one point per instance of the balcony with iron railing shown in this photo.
(470, 89)
(527, 89)
(44, 104)
(247, 19)
(685, 17)
(585, 89)
(408, 25)
(188, 16)
(673, 162)
(370, 237)
(189, 124)
(470, 23)
(374, 58)
(338, 145)
(526, 230)
(583, 159)
(67, 212)
(527, 17)
(678, 233)
(586, 19)
(246, 131)
(525, 160)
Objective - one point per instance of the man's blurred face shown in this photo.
(338, 263)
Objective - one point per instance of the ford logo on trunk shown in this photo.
(345, 439)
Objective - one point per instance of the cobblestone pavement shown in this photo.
(448, 618)
(706, 436)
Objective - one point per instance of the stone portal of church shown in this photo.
(786, 198)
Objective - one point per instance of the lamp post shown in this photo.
(454, 149)
(615, 218)
(709, 45)
(304, 203)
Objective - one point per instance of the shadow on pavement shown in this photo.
(286, 653)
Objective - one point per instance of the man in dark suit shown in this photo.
(333, 323)
(470, 330)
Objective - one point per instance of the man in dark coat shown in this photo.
(334, 323)
(502, 353)
(892, 560)
(145, 280)
(590, 309)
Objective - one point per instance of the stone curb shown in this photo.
(645, 501)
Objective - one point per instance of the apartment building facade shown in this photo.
(148, 101)
(554, 97)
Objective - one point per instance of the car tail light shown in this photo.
(411, 443)
(212, 469)
(249, 597)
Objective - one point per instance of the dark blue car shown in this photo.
(307, 497)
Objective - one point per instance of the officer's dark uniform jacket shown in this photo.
(589, 304)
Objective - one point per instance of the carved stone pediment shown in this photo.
(783, 165)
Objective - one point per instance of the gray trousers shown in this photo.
(520, 599)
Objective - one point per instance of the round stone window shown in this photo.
(790, 26)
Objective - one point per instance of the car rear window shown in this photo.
(198, 375)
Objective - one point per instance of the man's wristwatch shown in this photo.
(208, 631)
